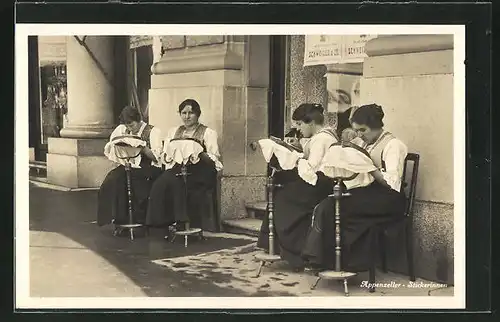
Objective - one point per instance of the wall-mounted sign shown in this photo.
(334, 49)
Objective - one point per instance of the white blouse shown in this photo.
(210, 140)
(154, 139)
(393, 154)
(314, 153)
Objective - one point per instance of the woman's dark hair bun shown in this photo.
(379, 110)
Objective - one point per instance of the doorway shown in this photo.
(277, 85)
(33, 97)
(142, 60)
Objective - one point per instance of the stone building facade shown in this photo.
(410, 76)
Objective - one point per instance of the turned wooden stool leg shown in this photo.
(259, 270)
(270, 257)
(123, 152)
(338, 274)
(313, 286)
(346, 290)
(129, 195)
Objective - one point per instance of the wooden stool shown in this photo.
(128, 152)
(188, 231)
(338, 273)
(270, 257)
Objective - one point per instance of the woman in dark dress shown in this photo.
(167, 201)
(294, 203)
(375, 199)
(112, 196)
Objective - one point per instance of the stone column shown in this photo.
(90, 87)
(229, 77)
(76, 159)
(411, 76)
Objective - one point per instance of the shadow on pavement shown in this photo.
(72, 214)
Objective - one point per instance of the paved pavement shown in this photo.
(70, 256)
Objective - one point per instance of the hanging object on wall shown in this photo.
(343, 97)
(343, 91)
(335, 49)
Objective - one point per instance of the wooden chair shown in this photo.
(405, 224)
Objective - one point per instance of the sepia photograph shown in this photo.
(240, 166)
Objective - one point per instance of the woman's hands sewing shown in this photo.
(377, 175)
(292, 141)
(147, 151)
(348, 135)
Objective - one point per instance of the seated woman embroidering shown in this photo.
(294, 203)
(112, 196)
(167, 201)
(375, 199)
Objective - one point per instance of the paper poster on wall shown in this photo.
(322, 49)
(332, 49)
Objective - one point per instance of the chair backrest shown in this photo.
(410, 184)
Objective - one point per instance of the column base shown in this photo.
(77, 163)
(87, 132)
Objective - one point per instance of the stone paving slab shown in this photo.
(71, 270)
(236, 269)
(71, 256)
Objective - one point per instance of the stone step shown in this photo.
(38, 164)
(38, 169)
(38, 179)
(256, 210)
(244, 226)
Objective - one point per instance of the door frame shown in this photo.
(34, 101)
(277, 85)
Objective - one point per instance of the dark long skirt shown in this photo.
(294, 205)
(113, 196)
(167, 200)
(362, 214)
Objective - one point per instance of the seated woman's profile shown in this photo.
(375, 198)
(303, 186)
(167, 199)
(145, 168)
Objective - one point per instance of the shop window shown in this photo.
(53, 88)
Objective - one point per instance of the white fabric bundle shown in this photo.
(286, 158)
(111, 151)
(345, 161)
(306, 172)
(181, 152)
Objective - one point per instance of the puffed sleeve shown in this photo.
(394, 155)
(156, 141)
(211, 143)
(319, 145)
(119, 130)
